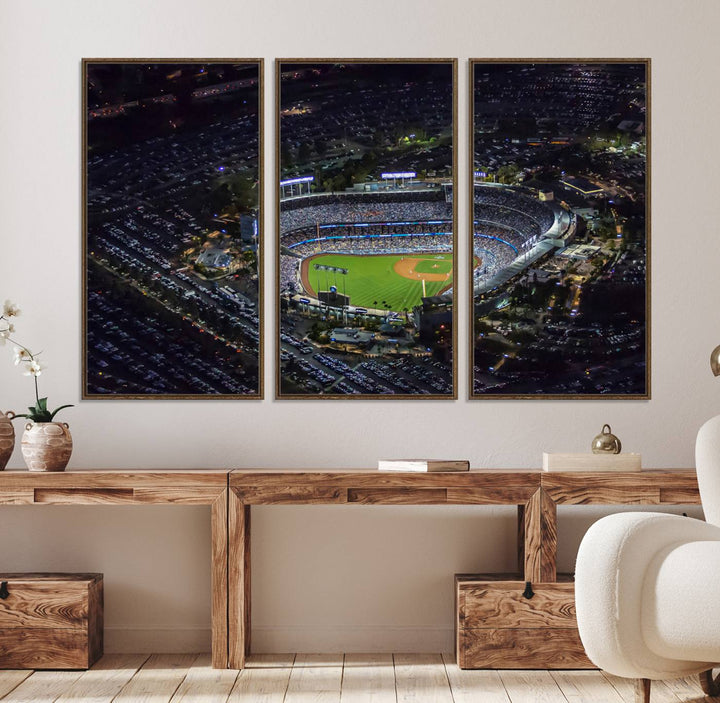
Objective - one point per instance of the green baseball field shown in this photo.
(386, 281)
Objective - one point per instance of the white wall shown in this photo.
(326, 577)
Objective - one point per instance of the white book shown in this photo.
(592, 462)
(423, 465)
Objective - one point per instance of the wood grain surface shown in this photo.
(368, 678)
(264, 679)
(138, 487)
(46, 603)
(580, 686)
(9, 680)
(539, 537)
(291, 494)
(536, 494)
(204, 683)
(239, 606)
(51, 621)
(157, 681)
(47, 648)
(316, 678)
(522, 648)
(474, 686)
(351, 478)
(371, 678)
(532, 687)
(41, 686)
(392, 496)
(219, 580)
(502, 604)
(421, 677)
(105, 680)
(109, 478)
(653, 487)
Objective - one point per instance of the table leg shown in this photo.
(537, 538)
(238, 581)
(219, 615)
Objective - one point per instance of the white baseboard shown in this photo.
(272, 640)
(352, 638)
(149, 640)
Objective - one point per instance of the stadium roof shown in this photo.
(215, 259)
(349, 335)
(583, 185)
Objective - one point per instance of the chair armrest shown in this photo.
(610, 573)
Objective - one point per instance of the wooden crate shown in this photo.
(50, 621)
(497, 627)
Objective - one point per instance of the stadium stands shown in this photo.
(507, 223)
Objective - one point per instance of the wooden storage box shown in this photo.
(50, 621)
(497, 627)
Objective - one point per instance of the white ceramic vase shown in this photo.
(46, 446)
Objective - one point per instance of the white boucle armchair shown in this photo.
(647, 586)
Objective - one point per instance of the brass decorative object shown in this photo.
(715, 360)
(606, 442)
(7, 437)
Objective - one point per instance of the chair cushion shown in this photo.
(681, 602)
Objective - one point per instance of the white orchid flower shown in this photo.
(22, 355)
(6, 332)
(33, 368)
(10, 309)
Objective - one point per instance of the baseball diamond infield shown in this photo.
(388, 281)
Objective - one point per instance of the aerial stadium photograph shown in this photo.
(366, 227)
(560, 228)
(172, 245)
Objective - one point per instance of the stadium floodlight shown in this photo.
(400, 174)
(303, 179)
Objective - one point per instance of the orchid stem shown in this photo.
(31, 356)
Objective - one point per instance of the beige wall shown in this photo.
(328, 577)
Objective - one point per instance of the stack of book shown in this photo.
(423, 465)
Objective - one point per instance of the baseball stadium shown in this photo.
(387, 251)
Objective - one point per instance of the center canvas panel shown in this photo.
(366, 226)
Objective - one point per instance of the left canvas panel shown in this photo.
(172, 210)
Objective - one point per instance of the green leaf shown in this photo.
(42, 404)
(57, 410)
(33, 409)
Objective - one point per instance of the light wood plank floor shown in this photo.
(322, 678)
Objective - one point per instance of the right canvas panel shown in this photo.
(560, 228)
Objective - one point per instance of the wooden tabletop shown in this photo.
(477, 486)
(199, 486)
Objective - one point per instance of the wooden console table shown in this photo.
(537, 495)
(231, 494)
(201, 487)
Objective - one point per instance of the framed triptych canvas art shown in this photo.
(364, 228)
